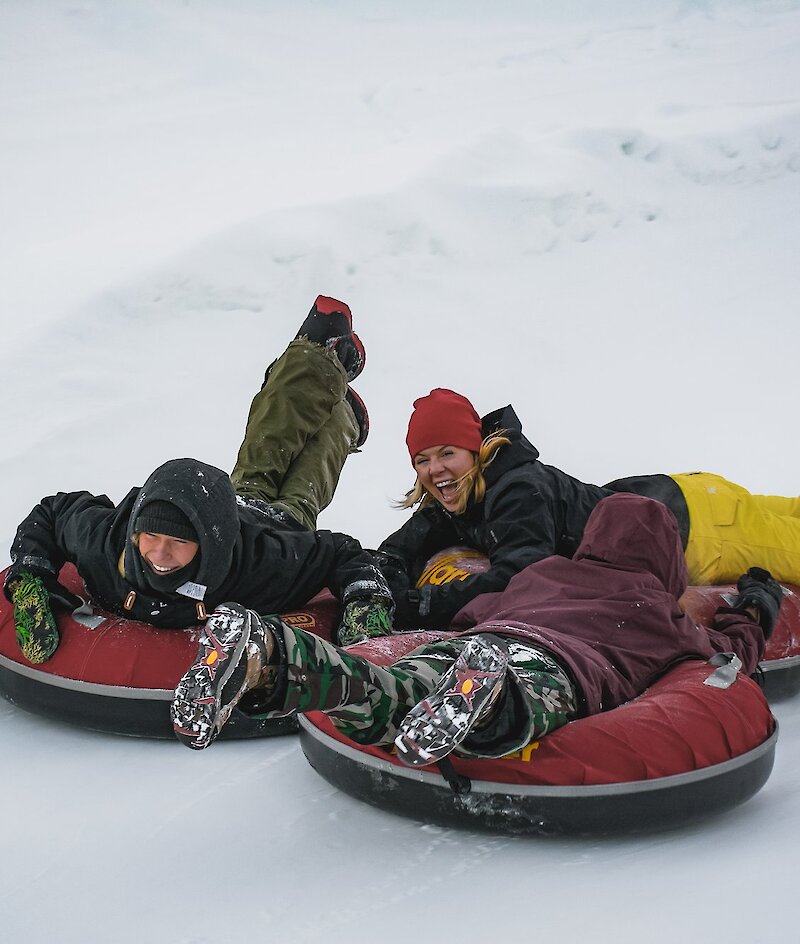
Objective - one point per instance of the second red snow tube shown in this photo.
(678, 753)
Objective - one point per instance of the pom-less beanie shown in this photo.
(443, 418)
(162, 517)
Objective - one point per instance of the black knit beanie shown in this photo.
(161, 517)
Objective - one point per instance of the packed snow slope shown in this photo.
(591, 211)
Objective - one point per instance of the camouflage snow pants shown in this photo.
(367, 702)
(299, 432)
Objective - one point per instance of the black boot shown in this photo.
(330, 324)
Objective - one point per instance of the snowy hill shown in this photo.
(591, 215)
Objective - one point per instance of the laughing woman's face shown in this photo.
(439, 468)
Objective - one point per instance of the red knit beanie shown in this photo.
(443, 418)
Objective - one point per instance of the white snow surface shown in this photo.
(591, 211)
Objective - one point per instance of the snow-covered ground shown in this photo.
(589, 210)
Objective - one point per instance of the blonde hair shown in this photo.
(472, 484)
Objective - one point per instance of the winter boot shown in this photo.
(234, 656)
(459, 703)
(359, 409)
(330, 324)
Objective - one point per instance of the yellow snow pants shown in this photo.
(731, 530)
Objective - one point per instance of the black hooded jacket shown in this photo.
(530, 511)
(266, 563)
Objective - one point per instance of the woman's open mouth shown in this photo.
(448, 490)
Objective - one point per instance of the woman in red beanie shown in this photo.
(480, 483)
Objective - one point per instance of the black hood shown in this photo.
(206, 496)
(518, 452)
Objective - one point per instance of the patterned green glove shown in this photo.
(365, 618)
(37, 634)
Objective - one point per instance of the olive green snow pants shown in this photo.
(367, 702)
(299, 432)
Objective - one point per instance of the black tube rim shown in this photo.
(582, 791)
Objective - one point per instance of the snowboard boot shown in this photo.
(461, 701)
(359, 409)
(234, 656)
(330, 324)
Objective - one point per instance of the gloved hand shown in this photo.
(758, 589)
(37, 633)
(394, 572)
(364, 618)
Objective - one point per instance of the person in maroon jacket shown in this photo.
(567, 638)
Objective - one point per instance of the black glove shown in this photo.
(398, 582)
(413, 610)
(364, 618)
(757, 588)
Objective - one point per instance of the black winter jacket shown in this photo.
(267, 563)
(530, 511)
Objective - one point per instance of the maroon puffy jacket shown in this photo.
(611, 614)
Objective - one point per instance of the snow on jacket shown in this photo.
(267, 564)
(611, 614)
(530, 511)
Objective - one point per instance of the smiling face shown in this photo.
(164, 553)
(439, 468)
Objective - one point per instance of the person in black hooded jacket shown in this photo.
(480, 483)
(193, 537)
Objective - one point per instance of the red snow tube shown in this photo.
(118, 675)
(780, 667)
(679, 752)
